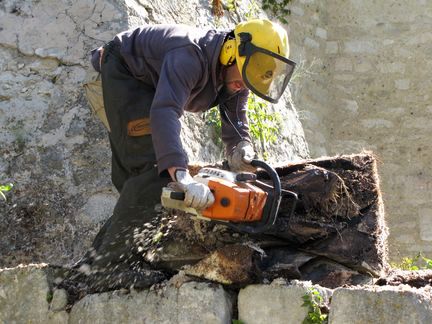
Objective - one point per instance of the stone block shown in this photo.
(321, 33)
(343, 64)
(275, 303)
(392, 67)
(332, 47)
(59, 300)
(425, 222)
(376, 123)
(350, 106)
(309, 42)
(25, 296)
(357, 46)
(191, 303)
(298, 11)
(387, 304)
(363, 67)
(402, 84)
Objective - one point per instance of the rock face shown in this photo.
(53, 150)
(27, 294)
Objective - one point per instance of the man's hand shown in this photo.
(197, 195)
(240, 157)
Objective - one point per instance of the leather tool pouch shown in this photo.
(93, 90)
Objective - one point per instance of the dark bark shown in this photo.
(336, 234)
(396, 277)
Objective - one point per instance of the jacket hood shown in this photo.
(211, 46)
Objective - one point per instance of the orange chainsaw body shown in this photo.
(236, 202)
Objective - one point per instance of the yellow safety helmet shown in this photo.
(260, 48)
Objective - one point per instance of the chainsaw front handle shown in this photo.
(271, 210)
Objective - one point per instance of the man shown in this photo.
(150, 76)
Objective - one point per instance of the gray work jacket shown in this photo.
(182, 64)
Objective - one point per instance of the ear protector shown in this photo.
(228, 53)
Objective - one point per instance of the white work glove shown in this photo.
(197, 195)
(240, 157)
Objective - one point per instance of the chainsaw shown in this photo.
(242, 202)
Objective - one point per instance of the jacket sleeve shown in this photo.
(181, 70)
(235, 125)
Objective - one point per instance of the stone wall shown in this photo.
(52, 149)
(200, 302)
(363, 83)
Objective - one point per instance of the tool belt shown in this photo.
(94, 94)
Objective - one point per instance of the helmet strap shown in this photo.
(245, 38)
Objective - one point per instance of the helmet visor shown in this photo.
(267, 74)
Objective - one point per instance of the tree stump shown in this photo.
(335, 235)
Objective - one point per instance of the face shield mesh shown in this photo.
(267, 74)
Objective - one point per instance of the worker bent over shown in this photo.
(150, 76)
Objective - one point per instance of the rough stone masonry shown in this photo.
(365, 84)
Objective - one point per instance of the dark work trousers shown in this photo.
(134, 171)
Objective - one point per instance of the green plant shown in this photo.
(252, 11)
(305, 70)
(314, 301)
(5, 188)
(418, 262)
(264, 124)
(212, 118)
(278, 8)
(235, 321)
(428, 263)
(232, 5)
(49, 297)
